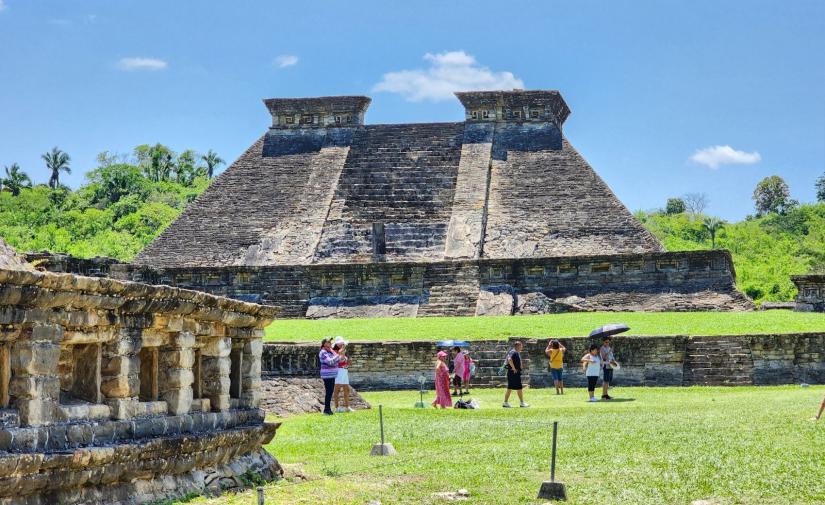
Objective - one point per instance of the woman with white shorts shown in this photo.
(342, 379)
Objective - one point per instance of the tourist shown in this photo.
(592, 364)
(329, 371)
(342, 379)
(608, 362)
(513, 365)
(469, 368)
(821, 408)
(442, 382)
(555, 353)
(458, 370)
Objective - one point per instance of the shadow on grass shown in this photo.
(619, 400)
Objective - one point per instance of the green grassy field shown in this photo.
(559, 325)
(746, 445)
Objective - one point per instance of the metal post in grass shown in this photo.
(552, 490)
(260, 495)
(421, 381)
(383, 448)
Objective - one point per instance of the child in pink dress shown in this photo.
(442, 382)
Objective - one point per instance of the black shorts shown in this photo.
(591, 382)
(457, 381)
(514, 380)
(608, 375)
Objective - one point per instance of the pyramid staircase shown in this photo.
(713, 361)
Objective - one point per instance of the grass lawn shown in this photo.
(745, 445)
(557, 325)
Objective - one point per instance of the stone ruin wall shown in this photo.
(810, 292)
(673, 281)
(646, 361)
(116, 392)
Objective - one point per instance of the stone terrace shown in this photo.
(110, 389)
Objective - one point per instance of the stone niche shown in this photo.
(810, 292)
(125, 392)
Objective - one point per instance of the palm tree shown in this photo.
(57, 161)
(713, 225)
(212, 161)
(16, 179)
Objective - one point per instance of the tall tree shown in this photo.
(56, 161)
(16, 179)
(772, 195)
(820, 189)
(185, 169)
(157, 161)
(675, 206)
(713, 225)
(696, 203)
(212, 161)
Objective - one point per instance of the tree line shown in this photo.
(126, 200)
(157, 163)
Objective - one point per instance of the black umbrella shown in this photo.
(609, 330)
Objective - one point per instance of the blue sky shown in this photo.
(649, 83)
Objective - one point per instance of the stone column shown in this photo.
(251, 373)
(35, 383)
(215, 365)
(120, 373)
(175, 364)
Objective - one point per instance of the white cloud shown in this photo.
(715, 156)
(2, 4)
(132, 64)
(286, 60)
(448, 72)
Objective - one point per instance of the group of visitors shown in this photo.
(334, 372)
(462, 371)
(599, 361)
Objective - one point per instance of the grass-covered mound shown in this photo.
(554, 325)
(766, 250)
(743, 446)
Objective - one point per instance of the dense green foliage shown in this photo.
(557, 325)
(124, 204)
(651, 446)
(766, 250)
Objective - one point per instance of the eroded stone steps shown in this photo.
(716, 362)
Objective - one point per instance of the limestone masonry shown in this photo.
(646, 361)
(330, 217)
(117, 392)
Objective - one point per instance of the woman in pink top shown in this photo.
(442, 382)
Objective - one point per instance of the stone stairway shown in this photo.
(713, 361)
(489, 356)
(403, 176)
(451, 289)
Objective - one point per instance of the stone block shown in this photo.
(122, 408)
(39, 358)
(178, 401)
(38, 412)
(253, 348)
(51, 333)
(121, 386)
(217, 347)
(35, 387)
(183, 340)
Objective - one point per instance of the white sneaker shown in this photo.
(340, 409)
(506, 405)
(524, 405)
(348, 409)
(594, 399)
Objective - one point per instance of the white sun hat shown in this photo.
(339, 340)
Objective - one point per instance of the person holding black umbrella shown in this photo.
(608, 362)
